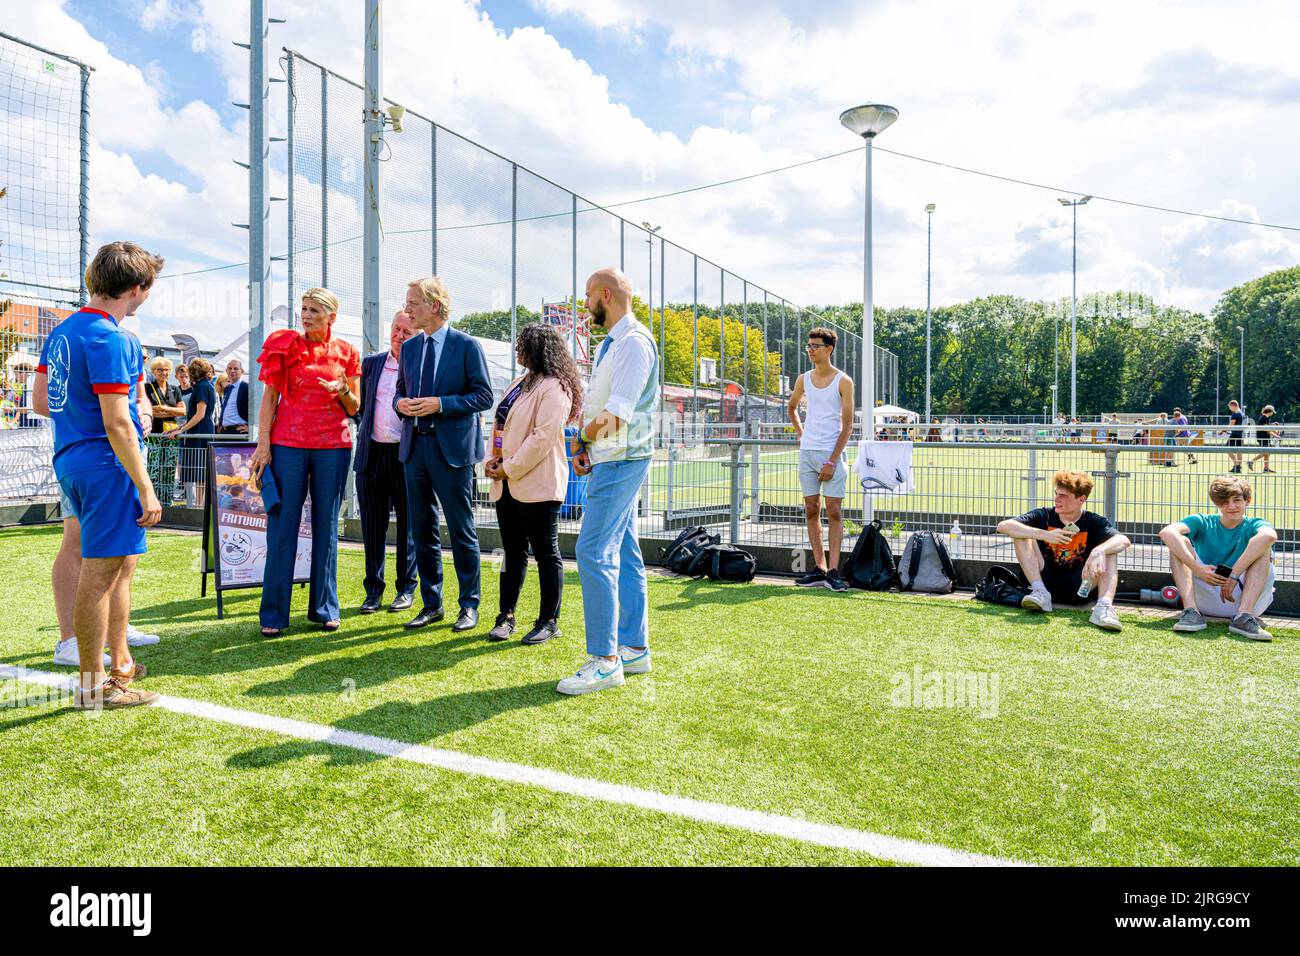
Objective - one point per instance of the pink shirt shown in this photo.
(388, 427)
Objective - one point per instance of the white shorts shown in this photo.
(810, 468)
(1209, 603)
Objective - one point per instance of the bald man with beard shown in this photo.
(614, 446)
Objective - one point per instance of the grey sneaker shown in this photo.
(1192, 620)
(1247, 625)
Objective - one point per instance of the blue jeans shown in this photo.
(610, 566)
(431, 481)
(323, 472)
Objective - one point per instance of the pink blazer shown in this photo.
(532, 447)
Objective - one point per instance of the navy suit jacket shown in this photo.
(461, 383)
(371, 367)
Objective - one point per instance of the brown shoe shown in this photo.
(136, 672)
(111, 695)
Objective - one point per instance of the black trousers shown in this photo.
(525, 523)
(381, 488)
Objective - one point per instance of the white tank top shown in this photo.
(821, 423)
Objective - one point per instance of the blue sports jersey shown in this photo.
(85, 356)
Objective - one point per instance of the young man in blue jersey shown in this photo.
(88, 380)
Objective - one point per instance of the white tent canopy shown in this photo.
(894, 411)
(499, 355)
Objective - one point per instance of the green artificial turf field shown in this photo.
(1083, 746)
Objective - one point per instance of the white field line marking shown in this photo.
(895, 849)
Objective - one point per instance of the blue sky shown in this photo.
(1167, 103)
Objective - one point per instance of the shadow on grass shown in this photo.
(46, 712)
(378, 667)
(695, 593)
(413, 723)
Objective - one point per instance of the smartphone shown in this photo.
(1223, 571)
(1072, 528)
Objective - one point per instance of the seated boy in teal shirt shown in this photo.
(1231, 539)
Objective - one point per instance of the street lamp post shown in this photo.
(929, 224)
(868, 121)
(1074, 312)
(1241, 368)
(1217, 406)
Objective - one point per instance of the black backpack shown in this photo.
(724, 562)
(871, 565)
(1002, 586)
(925, 566)
(699, 554)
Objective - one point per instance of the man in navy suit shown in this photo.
(381, 478)
(234, 405)
(442, 388)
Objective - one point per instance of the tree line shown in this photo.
(1000, 354)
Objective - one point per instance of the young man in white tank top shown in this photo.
(822, 437)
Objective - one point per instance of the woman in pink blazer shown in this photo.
(530, 472)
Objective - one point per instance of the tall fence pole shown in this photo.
(433, 195)
(324, 180)
(722, 333)
(574, 309)
(83, 191)
(374, 134)
(514, 265)
(289, 253)
(259, 202)
(695, 335)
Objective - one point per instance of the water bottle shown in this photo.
(954, 539)
(1085, 588)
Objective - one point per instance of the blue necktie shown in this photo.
(429, 363)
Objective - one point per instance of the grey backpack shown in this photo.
(925, 565)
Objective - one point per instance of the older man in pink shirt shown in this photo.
(381, 483)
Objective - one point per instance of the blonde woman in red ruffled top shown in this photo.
(312, 386)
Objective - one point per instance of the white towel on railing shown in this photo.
(885, 467)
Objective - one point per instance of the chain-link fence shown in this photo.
(514, 247)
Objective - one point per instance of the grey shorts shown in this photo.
(810, 466)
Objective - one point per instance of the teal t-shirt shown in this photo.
(1216, 544)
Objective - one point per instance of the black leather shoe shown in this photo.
(467, 621)
(505, 626)
(542, 632)
(430, 615)
(402, 602)
(370, 605)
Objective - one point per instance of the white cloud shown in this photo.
(998, 87)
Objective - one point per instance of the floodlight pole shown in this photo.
(929, 225)
(374, 128)
(1074, 312)
(868, 316)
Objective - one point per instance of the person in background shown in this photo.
(1183, 434)
(1267, 436)
(381, 482)
(183, 382)
(219, 385)
(442, 389)
(1201, 544)
(614, 446)
(312, 384)
(234, 401)
(823, 433)
(167, 407)
(200, 408)
(87, 383)
(530, 474)
(1237, 422)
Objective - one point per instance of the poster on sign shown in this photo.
(235, 529)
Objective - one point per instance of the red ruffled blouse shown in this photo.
(308, 416)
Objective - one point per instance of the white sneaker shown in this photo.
(138, 638)
(596, 674)
(634, 661)
(1103, 615)
(66, 653)
(1037, 600)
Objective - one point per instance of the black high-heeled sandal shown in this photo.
(272, 631)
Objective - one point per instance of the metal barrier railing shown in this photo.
(749, 490)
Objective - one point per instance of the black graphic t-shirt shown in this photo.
(1094, 530)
